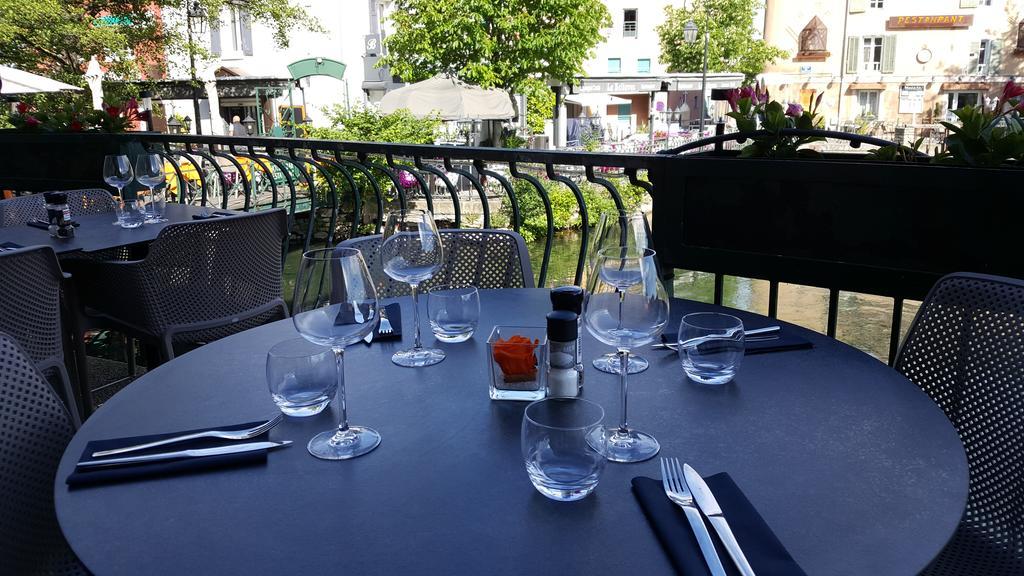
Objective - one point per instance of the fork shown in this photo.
(677, 491)
(225, 434)
(385, 324)
(675, 346)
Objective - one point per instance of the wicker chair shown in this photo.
(483, 258)
(34, 431)
(965, 349)
(199, 282)
(30, 311)
(22, 209)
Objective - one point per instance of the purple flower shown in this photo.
(406, 179)
(748, 92)
(794, 110)
(733, 97)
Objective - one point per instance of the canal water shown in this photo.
(864, 320)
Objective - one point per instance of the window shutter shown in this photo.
(858, 6)
(972, 61)
(888, 53)
(852, 50)
(215, 38)
(968, 3)
(245, 22)
(995, 57)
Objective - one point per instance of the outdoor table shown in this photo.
(855, 469)
(97, 232)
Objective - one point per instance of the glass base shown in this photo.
(628, 446)
(609, 363)
(353, 442)
(155, 220)
(418, 357)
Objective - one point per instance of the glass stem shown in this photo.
(339, 365)
(622, 300)
(623, 365)
(415, 316)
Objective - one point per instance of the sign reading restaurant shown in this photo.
(930, 22)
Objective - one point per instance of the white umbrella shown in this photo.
(20, 82)
(449, 98)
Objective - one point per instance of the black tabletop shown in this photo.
(97, 232)
(854, 468)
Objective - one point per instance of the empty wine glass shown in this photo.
(149, 171)
(618, 229)
(627, 307)
(412, 253)
(335, 305)
(117, 172)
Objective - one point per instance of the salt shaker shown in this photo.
(570, 298)
(565, 372)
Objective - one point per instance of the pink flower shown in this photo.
(131, 104)
(75, 126)
(794, 110)
(762, 92)
(31, 121)
(406, 179)
(733, 97)
(1012, 90)
(113, 111)
(748, 92)
(23, 107)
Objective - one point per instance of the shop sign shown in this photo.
(941, 22)
(911, 99)
(610, 87)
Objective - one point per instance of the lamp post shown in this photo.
(174, 126)
(195, 20)
(187, 121)
(690, 35)
(249, 123)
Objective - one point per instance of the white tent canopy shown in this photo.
(449, 98)
(20, 82)
(595, 100)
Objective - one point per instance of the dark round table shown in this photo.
(855, 469)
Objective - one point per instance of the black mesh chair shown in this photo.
(965, 349)
(200, 281)
(34, 430)
(483, 258)
(22, 209)
(31, 284)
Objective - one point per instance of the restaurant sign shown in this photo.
(941, 22)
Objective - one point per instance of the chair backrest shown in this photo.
(22, 209)
(483, 258)
(34, 431)
(965, 349)
(211, 269)
(30, 311)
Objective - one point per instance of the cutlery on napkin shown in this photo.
(394, 315)
(762, 548)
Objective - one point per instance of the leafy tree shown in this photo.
(368, 124)
(128, 37)
(540, 103)
(733, 45)
(507, 44)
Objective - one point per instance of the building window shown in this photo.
(629, 23)
(813, 41)
(867, 104)
(958, 100)
(876, 3)
(872, 53)
(236, 30)
(614, 65)
(643, 66)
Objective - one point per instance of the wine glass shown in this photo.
(626, 307)
(117, 172)
(412, 253)
(618, 229)
(149, 171)
(335, 305)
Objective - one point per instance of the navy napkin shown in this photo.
(764, 551)
(100, 475)
(10, 246)
(211, 215)
(785, 341)
(394, 312)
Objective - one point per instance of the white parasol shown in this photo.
(449, 98)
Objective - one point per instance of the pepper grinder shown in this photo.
(570, 299)
(565, 373)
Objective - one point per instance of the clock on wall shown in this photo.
(924, 55)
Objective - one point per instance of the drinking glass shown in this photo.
(562, 462)
(412, 253)
(626, 230)
(149, 171)
(301, 377)
(626, 307)
(711, 346)
(454, 312)
(117, 172)
(335, 305)
(130, 213)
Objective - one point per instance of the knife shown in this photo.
(707, 503)
(675, 489)
(181, 454)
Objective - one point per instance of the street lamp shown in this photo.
(174, 126)
(690, 36)
(195, 20)
(249, 123)
(187, 121)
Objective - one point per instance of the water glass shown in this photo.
(301, 377)
(711, 346)
(558, 449)
(454, 312)
(130, 213)
(149, 171)
(154, 202)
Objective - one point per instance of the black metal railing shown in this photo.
(782, 231)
